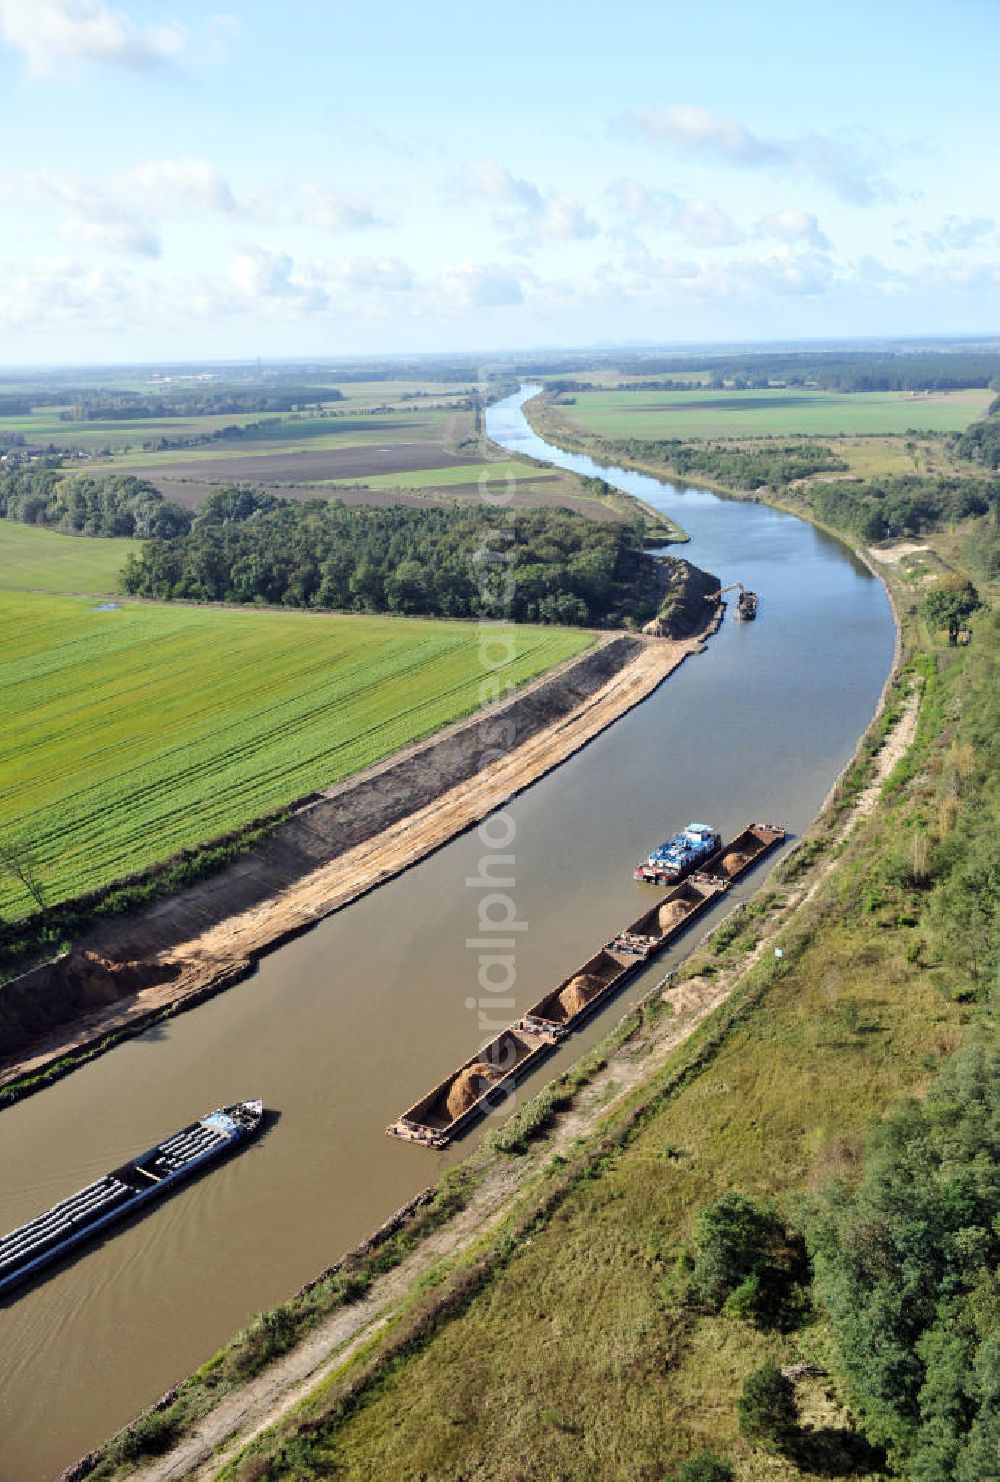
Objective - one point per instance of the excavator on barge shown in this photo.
(746, 603)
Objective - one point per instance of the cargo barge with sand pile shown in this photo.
(52, 1235)
(486, 1079)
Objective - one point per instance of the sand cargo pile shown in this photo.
(484, 1081)
(481, 1084)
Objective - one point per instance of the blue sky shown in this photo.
(328, 178)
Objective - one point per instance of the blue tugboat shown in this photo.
(50, 1236)
(692, 847)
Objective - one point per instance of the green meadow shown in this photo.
(130, 734)
(775, 412)
(463, 473)
(44, 428)
(33, 559)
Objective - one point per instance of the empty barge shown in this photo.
(52, 1235)
(483, 1082)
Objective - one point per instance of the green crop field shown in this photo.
(462, 473)
(377, 393)
(130, 734)
(44, 428)
(404, 428)
(32, 559)
(697, 414)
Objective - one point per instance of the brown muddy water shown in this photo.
(343, 1029)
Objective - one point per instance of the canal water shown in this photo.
(341, 1030)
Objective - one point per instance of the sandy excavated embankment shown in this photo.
(336, 846)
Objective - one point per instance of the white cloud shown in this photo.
(640, 203)
(62, 290)
(335, 211)
(223, 31)
(266, 277)
(93, 217)
(701, 223)
(869, 271)
(704, 224)
(538, 215)
(793, 226)
(50, 32)
(487, 181)
(700, 131)
(372, 274)
(564, 220)
(122, 236)
(187, 180)
(963, 277)
(784, 270)
(470, 285)
(790, 271)
(957, 233)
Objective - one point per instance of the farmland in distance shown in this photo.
(773, 412)
(378, 442)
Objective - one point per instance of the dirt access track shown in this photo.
(336, 846)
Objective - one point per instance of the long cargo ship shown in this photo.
(483, 1081)
(52, 1235)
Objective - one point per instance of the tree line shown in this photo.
(771, 463)
(881, 509)
(128, 406)
(981, 441)
(546, 566)
(835, 370)
(117, 504)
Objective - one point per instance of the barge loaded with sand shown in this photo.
(52, 1235)
(484, 1081)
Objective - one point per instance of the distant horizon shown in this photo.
(784, 344)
